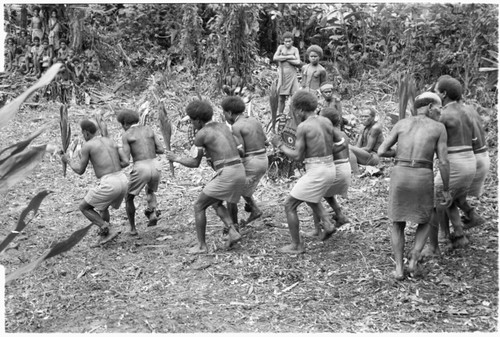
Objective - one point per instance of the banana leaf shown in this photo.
(21, 224)
(65, 132)
(166, 130)
(18, 166)
(101, 124)
(9, 110)
(273, 102)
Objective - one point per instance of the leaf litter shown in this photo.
(150, 283)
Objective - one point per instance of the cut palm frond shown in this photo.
(273, 102)
(65, 132)
(9, 110)
(21, 223)
(166, 130)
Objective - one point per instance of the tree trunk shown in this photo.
(24, 17)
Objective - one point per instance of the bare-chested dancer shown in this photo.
(314, 145)
(141, 142)
(219, 144)
(460, 131)
(107, 162)
(342, 174)
(411, 192)
(251, 138)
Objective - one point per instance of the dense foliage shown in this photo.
(381, 40)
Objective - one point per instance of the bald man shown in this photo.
(411, 192)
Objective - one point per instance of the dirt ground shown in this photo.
(150, 284)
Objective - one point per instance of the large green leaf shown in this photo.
(56, 249)
(20, 146)
(69, 243)
(9, 110)
(18, 166)
(21, 223)
(26, 269)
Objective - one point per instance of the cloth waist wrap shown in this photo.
(320, 175)
(415, 163)
(462, 172)
(483, 163)
(342, 179)
(411, 194)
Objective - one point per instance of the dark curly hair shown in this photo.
(452, 87)
(88, 125)
(315, 48)
(233, 104)
(332, 115)
(201, 110)
(128, 116)
(304, 100)
(287, 35)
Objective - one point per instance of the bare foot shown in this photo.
(153, 220)
(459, 241)
(133, 232)
(398, 276)
(110, 235)
(325, 235)
(254, 215)
(474, 221)
(315, 233)
(198, 249)
(341, 220)
(412, 264)
(293, 248)
(233, 237)
(429, 251)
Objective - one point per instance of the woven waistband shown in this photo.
(481, 149)
(319, 160)
(413, 163)
(222, 164)
(459, 149)
(341, 161)
(255, 153)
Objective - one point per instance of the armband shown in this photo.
(193, 152)
(339, 143)
(240, 147)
